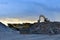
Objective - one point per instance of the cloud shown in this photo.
(30, 8)
(34, 7)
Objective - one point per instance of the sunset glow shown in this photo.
(15, 20)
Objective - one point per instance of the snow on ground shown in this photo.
(9, 36)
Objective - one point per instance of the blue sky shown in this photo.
(25, 8)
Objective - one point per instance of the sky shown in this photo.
(30, 9)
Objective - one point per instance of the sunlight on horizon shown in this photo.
(16, 21)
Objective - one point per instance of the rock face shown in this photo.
(46, 28)
(4, 28)
(7, 34)
(43, 26)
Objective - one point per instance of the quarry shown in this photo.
(42, 26)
